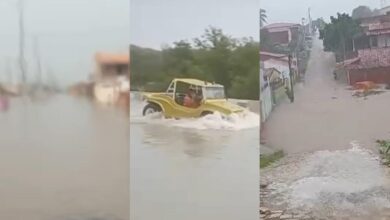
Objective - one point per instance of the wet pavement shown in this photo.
(193, 168)
(63, 158)
(332, 170)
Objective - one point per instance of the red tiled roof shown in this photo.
(379, 26)
(281, 25)
(369, 58)
(374, 19)
(347, 62)
(278, 55)
(264, 56)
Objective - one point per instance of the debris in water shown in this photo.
(365, 93)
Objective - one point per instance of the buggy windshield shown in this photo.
(214, 92)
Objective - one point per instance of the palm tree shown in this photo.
(263, 17)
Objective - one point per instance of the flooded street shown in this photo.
(324, 115)
(206, 167)
(64, 158)
(332, 170)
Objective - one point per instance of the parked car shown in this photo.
(208, 97)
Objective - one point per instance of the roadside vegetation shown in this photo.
(266, 160)
(214, 57)
(384, 150)
(338, 34)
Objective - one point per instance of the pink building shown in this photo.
(370, 65)
(282, 33)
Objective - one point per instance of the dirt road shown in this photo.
(324, 115)
(331, 170)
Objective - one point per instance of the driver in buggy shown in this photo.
(191, 99)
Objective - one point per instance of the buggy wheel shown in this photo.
(150, 109)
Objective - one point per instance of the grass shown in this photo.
(266, 160)
(384, 150)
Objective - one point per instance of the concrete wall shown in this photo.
(281, 66)
(279, 95)
(377, 75)
(265, 104)
(280, 37)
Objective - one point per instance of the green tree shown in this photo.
(214, 52)
(146, 66)
(361, 12)
(179, 60)
(337, 36)
(214, 56)
(319, 24)
(245, 71)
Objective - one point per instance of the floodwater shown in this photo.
(332, 170)
(193, 168)
(324, 115)
(64, 159)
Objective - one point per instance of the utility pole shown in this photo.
(260, 66)
(22, 61)
(38, 57)
(291, 78)
(310, 21)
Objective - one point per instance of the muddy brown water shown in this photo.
(325, 115)
(193, 168)
(332, 170)
(64, 158)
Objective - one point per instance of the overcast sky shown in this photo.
(156, 22)
(69, 33)
(293, 11)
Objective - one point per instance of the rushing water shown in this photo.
(63, 158)
(325, 173)
(191, 169)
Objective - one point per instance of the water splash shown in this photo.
(216, 121)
